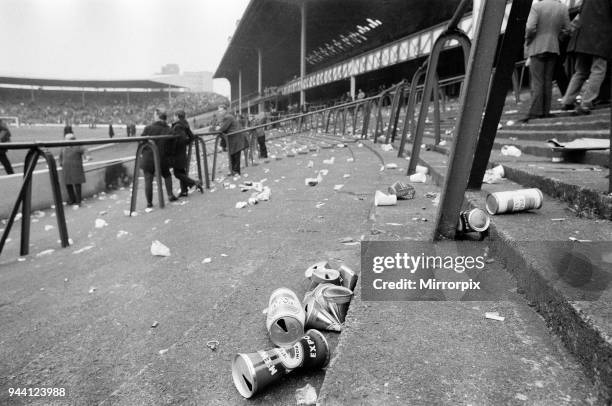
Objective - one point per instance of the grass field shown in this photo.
(30, 134)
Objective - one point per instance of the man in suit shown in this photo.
(166, 151)
(548, 21)
(236, 143)
(592, 46)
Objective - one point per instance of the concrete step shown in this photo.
(543, 135)
(577, 307)
(446, 352)
(540, 149)
(583, 186)
(561, 124)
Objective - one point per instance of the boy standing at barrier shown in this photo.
(166, 150)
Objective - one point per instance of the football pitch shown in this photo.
(46, 134)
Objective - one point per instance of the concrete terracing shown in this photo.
(82, 317)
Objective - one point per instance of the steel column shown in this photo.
(473, 101)
(303, 53)
(260, 107)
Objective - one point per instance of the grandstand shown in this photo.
(52, 101)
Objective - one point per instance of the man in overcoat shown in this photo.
(591, 44)
(236, 143)
(71, 161)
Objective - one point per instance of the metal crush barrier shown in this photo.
(452, 32)
(37, 150)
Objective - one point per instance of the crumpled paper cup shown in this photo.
(160, 250)
(382, 199)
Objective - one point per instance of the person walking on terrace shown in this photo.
(236, 143)
(591, 44)
(548, 22)
(166, 151)
(71, 161)
(180, 165)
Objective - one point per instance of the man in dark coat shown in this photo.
(180, 166)
(236, 143)
(548, 21)
(111, 132)
(5, 136)
(592, 45)
(71, 161)
(166, 151)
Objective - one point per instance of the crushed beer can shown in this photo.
(349, 277)
(402, 190)
(253, 372)
(319, 317)
(471, 221)
(324, 275)
(285, 318)
(317, 265)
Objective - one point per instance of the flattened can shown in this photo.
(514, 201)
(285, 318)
(252, 372)
(324, 275)
(474, 220)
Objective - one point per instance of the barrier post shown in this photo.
(26, 206)
(57, 197)
(205, 158)
(29, 166)
(476, 88)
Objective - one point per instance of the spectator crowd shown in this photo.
(58, 106)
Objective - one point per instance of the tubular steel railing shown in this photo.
(452, 32)
(41, 149)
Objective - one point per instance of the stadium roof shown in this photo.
(335, 30)
(129, 84)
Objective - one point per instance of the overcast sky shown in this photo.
(114, 39)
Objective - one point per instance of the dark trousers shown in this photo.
(263, 151)
(6, 163)
(235, 162)
(184, 180)
(148, 178)
(74, 193)
(542, 68)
